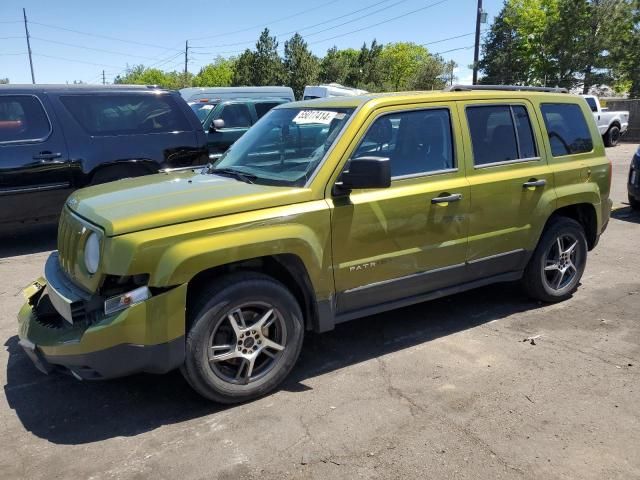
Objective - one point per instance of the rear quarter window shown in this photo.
(22, 119)
(125, 114)
(567, 129)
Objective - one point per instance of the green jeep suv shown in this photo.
(323, 212)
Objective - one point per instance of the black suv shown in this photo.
(57, 138)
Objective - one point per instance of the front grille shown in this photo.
(70, 233)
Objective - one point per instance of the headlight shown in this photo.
(92, 253)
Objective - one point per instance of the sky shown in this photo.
(77, 40)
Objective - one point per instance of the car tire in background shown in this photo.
(245, 333)
(612, 137)
(558, 262)
(635, 204)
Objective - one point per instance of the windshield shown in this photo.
(286, 145)
(202, 109)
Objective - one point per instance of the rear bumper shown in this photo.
(146, 337)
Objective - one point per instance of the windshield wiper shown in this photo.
(230, 172)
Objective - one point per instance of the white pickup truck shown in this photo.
(612, 125)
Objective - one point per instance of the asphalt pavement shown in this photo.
(482, 385)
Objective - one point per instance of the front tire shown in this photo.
(612, 137)
(635, 204)
(246, 332)
(557, 265)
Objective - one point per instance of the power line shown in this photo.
(235, 52)
(247, 29)
(454, 50)
(380, 23)
(92, 48)
(450, 38)
(14, 36)
(356, 19)
(280, 35)
(99, 36)
(76, 61)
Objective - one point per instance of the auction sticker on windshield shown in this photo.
(314, 116)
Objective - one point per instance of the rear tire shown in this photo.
(245, 335)
(612, 137)
(558, 262)
(635, 204)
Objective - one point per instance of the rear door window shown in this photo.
(22, 119)
(125, 114)
(236, 115)
(567, 129)
(500, 133)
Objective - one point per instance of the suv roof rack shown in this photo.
(511, 88)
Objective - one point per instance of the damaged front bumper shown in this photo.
(145, 337)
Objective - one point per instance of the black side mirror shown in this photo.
(216, 125)
(366, 172)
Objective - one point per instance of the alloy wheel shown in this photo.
(561, 262)
(247, 343)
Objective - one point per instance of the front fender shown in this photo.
(173, 255)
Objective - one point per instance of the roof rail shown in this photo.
(510, 88)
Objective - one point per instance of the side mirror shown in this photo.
(217, 124)
(366, 172)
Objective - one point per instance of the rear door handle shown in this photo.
(447, 198)
(47, 156)
(535, 183)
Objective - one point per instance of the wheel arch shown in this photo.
(583, 213)
(289, 269)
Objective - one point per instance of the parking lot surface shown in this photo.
(482, 385)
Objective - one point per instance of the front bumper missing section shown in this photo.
(146, 337)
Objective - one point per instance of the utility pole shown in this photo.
(26, 31)
(104, 82)
(476, 51)
(186, 60)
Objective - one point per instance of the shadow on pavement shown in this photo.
(64, 411)
(626, 214)
(27, 240)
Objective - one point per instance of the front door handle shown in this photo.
(47, 156)
(535, 183)
(447, 198)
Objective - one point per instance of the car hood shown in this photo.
(151, 201)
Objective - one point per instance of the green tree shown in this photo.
(300, 65)
(501, 61)
(430, 74)
(140, 75)
(400, 63)
(339, 66)
(4, 81)
(243, 74)
(220, 73)
(268, 68)
(557, 42)
(369, 68)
